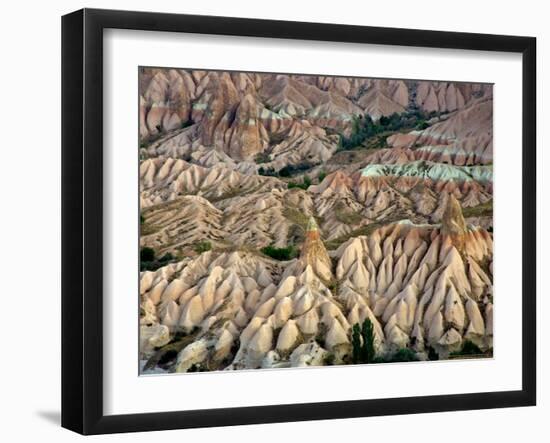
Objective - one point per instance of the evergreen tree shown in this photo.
(367, 332)
(356, 343)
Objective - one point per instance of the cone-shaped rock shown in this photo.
(314, 252)
(452, 223)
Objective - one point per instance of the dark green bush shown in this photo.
(468, 348)
(432, 355)
(166, 258)
(287, 171)
(148, 261)
(422, 124)
(203, 246)
(269, 172)
(187, 123)
(282, 254)
(146, 254)
(262, 157)
(306, 183)
(363, 127)
(290, 170)
(403, 355)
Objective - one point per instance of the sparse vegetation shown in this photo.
(146, 254)
(422, 124)
(432, 355)
(202, 246)
(287, 171)
(282, 254)
(468, 348)
(187, 123)
(306, 183)
(403, 355)
(329, 359)
(262, 157)
(344, 215)
(296, 216)
(484, 209)
(364, 127)
(322, 176)
(291, 170)
(363, 230)
(148, 262)
(148, 141)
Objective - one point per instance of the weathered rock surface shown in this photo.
(234, 117)
(396, 228)
(184, 203)
(421, 286)
(464, 138)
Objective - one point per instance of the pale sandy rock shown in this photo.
(192, 314)
(288, 337)
(259, 345)
(223, 345)
(476, 327)
(152, 337)
(336, 336)
(192, 354)
(308, 354)
(174, 290)
(170, 313)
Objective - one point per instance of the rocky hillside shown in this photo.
(291, 220)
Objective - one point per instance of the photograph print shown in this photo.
(289, 220)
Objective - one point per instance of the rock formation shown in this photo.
(245, 311)
(314, 253)
(272, 238)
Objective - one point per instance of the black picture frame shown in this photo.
(82, 218)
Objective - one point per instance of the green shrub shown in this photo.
(168, 257)
(329, 359)
(282, 254)
(422, 124)
(363, 127)
(146, 254)
(289, 170)
(203, 246)
(269, 172)
(403, 355)
(187, 123)
(468, 348)
(262, 157)
(306, 183)
(432, 355)
(322, 176)
(148, 262)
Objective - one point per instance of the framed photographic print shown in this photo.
(270, 221)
